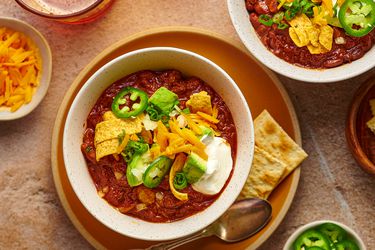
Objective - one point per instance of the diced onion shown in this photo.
(140, 206)
(159, 195)
(340, 40)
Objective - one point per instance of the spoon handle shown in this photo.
(176, 243)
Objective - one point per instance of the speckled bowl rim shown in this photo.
(250, 39)
(139, 229)
(46, 54)
(295, 234)
(351, 128)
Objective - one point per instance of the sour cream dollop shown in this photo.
(219, 166)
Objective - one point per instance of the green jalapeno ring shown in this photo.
(135, 109)
(156, 171)
(361, 14)
(334, 232)
(346, 244)
(311, 238)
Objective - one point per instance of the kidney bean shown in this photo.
(333, 63)
(261, 8)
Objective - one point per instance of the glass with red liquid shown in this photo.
(67, 11)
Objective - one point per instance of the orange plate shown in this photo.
(261, 89)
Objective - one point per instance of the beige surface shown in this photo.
(331, 186)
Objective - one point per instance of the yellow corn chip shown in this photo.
(326, 36)
(316, 50)
(313, 35)
(107, 147)
(112, 128)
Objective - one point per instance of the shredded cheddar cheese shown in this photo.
(123, 143)
(20, 69)
(176, 167)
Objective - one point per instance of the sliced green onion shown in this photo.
(153, 113)
(186, 111)
(180, 181)
(278, 17)
(282, 26)
(266, 20)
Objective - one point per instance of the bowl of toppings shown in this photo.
(308, 40)
(326, 235)
(25, 68)
(158, 143)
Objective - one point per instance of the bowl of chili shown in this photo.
(326, 235)
(138, 76)
(311, 41)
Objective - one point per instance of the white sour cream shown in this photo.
(219, 166)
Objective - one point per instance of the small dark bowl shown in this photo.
(359, 137)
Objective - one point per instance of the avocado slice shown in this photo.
(164, 100)
(194, 168)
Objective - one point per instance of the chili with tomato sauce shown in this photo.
(345, 48)
(156, 204)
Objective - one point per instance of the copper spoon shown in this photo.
(242, 220)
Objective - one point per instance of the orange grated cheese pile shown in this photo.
(20, 69)
(179, 139)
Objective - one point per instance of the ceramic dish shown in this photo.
(256, 83)
(158, 58)
(74, 12)
(353, 235)
(358, 136)
(247, 34)
(46, 55)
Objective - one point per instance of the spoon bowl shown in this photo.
(242, 220)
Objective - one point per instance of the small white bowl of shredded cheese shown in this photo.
(25, 68)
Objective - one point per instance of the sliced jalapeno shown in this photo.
(357, 17)
(156, 171)
(346, 245)
(121, 107)
(334, 232)
(311, 238)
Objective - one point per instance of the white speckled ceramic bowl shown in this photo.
(155, 59)
(246, 32)
(46, 55)
(288, 245)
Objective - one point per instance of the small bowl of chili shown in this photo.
(326, 235)
(308, 40)
(158, 143)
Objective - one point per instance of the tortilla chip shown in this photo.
(316, 49)
(110, 129)
(326, 37)
(265, 174)
(271, 137)
(298, 30)
(313, 34)
(299, 36)
(107, 147)
(109, 115)
(200, 102)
